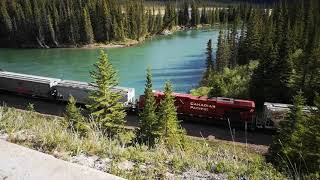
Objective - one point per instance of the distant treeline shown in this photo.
(220, 1)
(285, 41)
(56, 23)
(41, 23)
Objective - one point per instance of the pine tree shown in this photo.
(88, 36)
(195, 15)
(169, 14)
(209, 64)
(308, 136)
(52, 32)
(171, 132)
(251, 47)
(233, 46)
(283, 70)
(282, 150)
(148, 128)
(5, 19)
(223, 53)
(204, 16)
(159, 23)
(151, 21)
(74, 118)
(185, 16)
(37, 24)
(105, 106)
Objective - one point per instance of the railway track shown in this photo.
(257, 140)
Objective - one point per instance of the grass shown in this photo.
(50, 135)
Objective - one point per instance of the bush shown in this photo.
(229, 83)
(296, 148)
(74, 118)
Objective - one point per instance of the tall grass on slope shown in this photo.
(51, 135)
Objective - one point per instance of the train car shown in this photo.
(29, 85)
(220, 108)
(274, 113)
(80, 91)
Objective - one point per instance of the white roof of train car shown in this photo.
(57, 82)
(285, 107)
(76, 84)
(25, 77)
(85, 85)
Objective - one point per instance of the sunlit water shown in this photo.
(179, 57)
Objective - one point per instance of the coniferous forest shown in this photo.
(285, 43)
(273, 55)
(72, 23)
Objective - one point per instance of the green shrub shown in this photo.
(228, 83)
(296, 148)
(74, 118)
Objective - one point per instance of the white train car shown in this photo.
(30, 85)
(81, 90)
(57, 89)
(274, 113)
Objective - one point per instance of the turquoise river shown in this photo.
(179, 57)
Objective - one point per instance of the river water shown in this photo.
(179, 57)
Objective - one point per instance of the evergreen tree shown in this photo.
(88, 37)
(183, 16)
(223, 53)
(169, 16)
(251, 47)
(74, 118)
(151, 21)
(52, 32)
(171, 132)
(308, 136)
(195, 15)
(148, 128)
(295, 149)
(5, 20)
(105, 106)
(281, 151)
(209, 64)
(234, 44)
(159, 21)
(204, 16)
(37, 25)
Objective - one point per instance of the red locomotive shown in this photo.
(210, 108)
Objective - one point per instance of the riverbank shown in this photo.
(132, 42)
(123, 157)
(114, 44)
(121, 44)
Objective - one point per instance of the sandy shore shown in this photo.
(126, 43)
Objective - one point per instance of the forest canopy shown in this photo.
(286, 44)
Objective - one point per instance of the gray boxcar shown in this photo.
(80, 91)
(274, 113)
(27, 84)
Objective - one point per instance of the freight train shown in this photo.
(215, 108)
(212, 109)
(57, 89)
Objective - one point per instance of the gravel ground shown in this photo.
(105, 164)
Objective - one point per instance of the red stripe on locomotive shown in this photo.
(216, 107)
